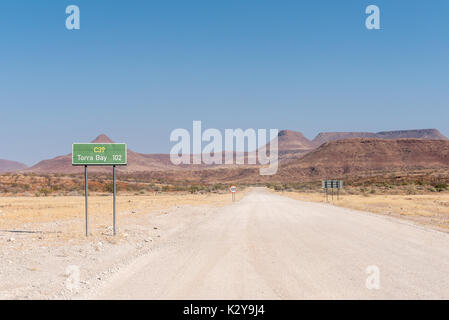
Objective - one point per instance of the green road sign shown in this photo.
(99, 154)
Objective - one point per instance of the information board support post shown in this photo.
(115, 192)
(86, 201)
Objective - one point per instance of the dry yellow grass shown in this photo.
(65, 214)
(429, 209)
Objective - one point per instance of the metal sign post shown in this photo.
(115, 192)
(86, 201)
(100, 154)
(332, 184)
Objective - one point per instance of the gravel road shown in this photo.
(271, 247)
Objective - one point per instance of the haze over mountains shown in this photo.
(329, 153)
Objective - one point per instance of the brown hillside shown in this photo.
(336, 159)
(324, 137)
(10, 166)
(293, 140)
(354, 156)
(292, 144)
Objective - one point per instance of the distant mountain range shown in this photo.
(137, 162)
(328, 154)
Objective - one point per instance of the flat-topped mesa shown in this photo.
(432, 134)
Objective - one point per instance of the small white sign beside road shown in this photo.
(233, 190)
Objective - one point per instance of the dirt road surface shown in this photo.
(271, 247)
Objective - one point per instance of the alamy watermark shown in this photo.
(218, 150)
(372, 22)
(72, 22)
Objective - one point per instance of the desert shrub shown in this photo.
(219, 186)
(45, 191)
(441, 187)
(194, 189)
(109, 187)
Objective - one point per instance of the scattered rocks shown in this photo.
(99, 246)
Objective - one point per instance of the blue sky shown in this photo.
(136, 70)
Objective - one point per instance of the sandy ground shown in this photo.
(427, 209)
(42, 243)
(271, 247)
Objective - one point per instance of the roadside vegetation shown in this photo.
(73, 185)
(369, 188)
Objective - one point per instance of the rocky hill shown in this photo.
(361, 155)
